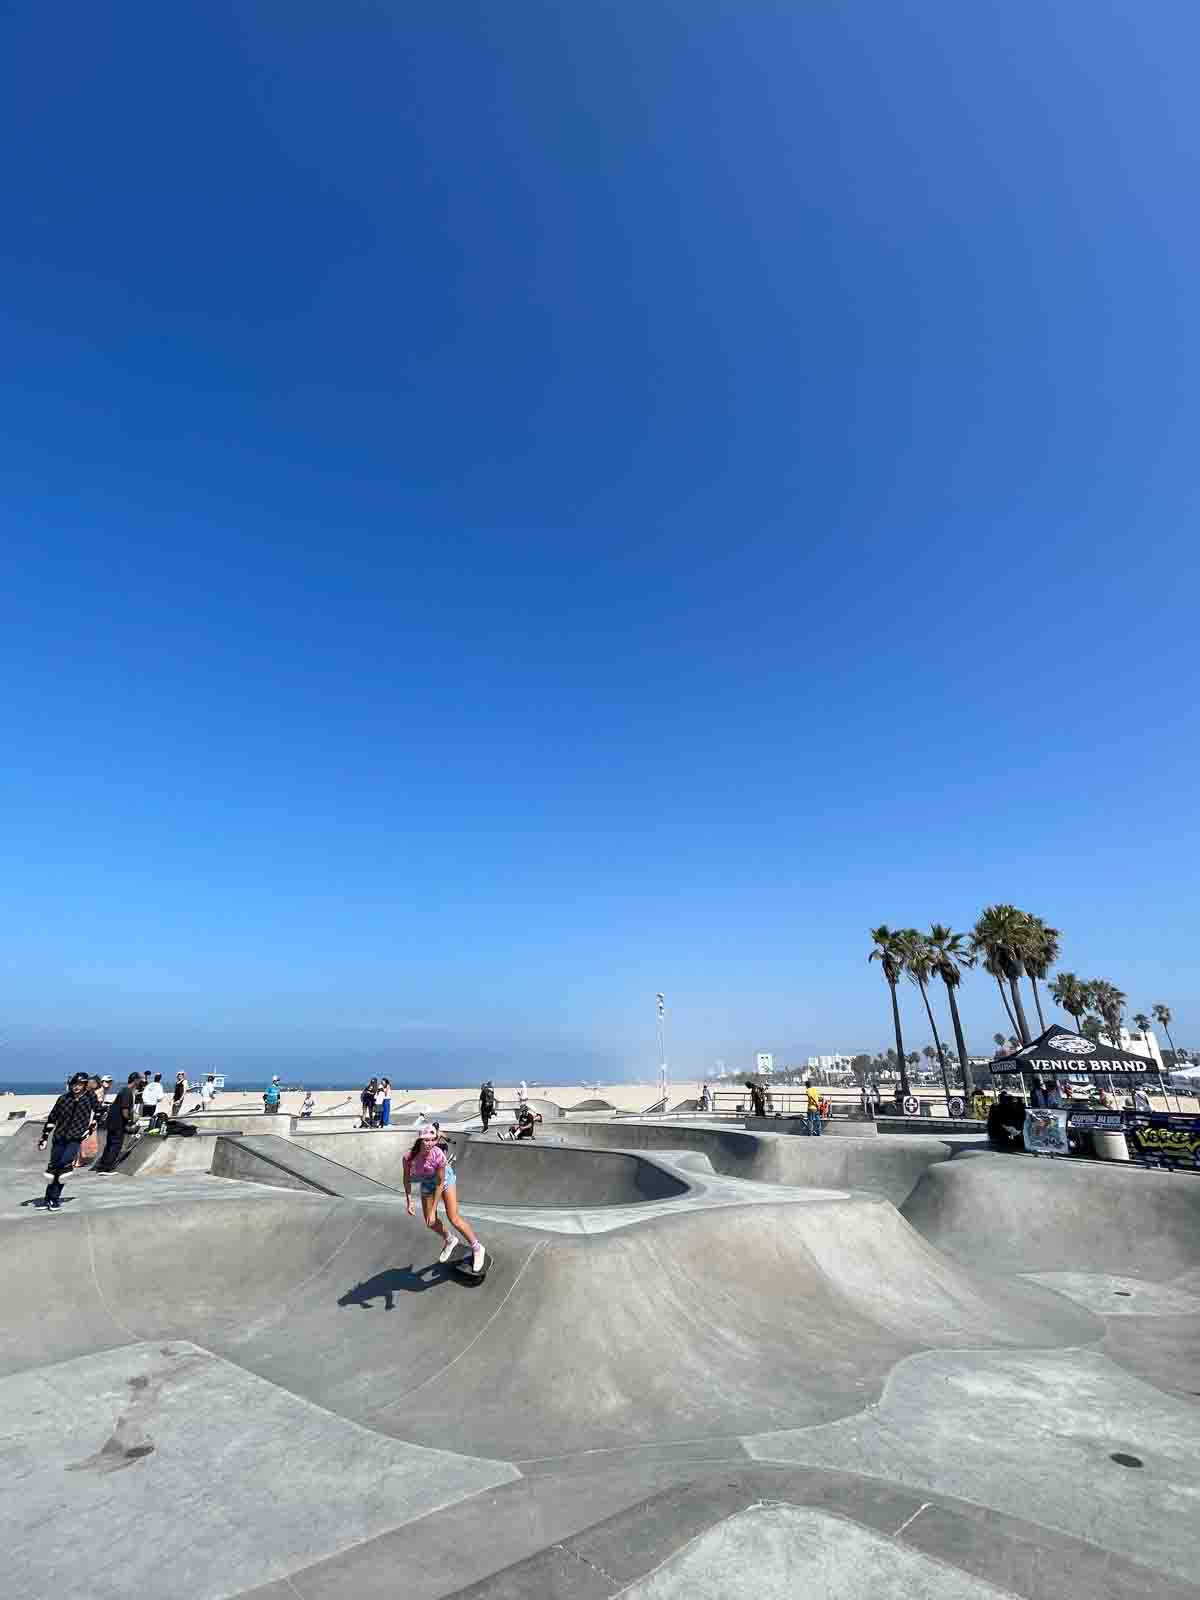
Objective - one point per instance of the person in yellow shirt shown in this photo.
(813, 1096)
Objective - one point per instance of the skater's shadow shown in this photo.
(40, 1205)
(385, 1286)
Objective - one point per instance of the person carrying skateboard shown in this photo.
(429, 1164)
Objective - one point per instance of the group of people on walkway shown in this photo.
(76, 1118)
(376, 1103)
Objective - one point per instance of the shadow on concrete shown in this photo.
(394, 1280)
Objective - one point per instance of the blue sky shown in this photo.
(512, 509)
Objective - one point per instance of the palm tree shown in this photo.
(994, 970)
(1110, 1003)
(919, 964)
(928, 1052)
(1142, 1022)
(950, 958)
(1162, 1015)
(888, 953)
(1039, 958)
(1001, 934)
(1070, 995)
(999, 1041)
(1091, 1028)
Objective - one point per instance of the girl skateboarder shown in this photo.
(429, 1164)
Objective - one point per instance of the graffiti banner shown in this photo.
(1163, 1142)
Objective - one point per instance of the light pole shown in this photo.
(661, 1009)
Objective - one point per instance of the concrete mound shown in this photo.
(1007, 1213)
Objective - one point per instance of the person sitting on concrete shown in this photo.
(69, 1121)
(527, 1120)
(1006, 1123)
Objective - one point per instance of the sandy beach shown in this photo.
(621, 1096)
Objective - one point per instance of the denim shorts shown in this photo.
(429, 1185)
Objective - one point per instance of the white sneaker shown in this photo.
(478, 1257)
(451, 1245)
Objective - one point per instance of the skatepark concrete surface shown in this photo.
(704, 1362)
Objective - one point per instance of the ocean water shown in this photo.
(241, 1087)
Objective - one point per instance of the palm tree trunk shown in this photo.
(1022, 1025)
(937, 1045)
(904, 1089)
(1037, 1000)
(968, 1079)
(1007, 1008)
(1174, 1068)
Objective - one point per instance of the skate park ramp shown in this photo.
(495, 1174)
(888, 1167)
(468, 1110)
(605, 1414)
(19, 1151)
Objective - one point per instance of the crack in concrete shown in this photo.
(583, 1561)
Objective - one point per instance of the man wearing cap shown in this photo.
(69, 1120)
(271, 1097)
(122, 1119)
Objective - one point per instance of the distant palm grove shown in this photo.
(1008, 945)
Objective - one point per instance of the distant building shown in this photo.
(829, 1063)
(764, 1061)
(1142, 1044)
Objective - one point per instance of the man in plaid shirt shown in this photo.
(70, 1118)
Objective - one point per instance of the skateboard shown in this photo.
(461, 1265)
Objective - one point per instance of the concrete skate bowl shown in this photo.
(489, 1172)
(573, 1344)
(592, 1105)
(890, 1168)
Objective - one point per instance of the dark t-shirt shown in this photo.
(122, 1108)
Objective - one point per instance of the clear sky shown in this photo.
(511, 508)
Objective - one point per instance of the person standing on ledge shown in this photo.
(487, 1103)
(758, 1101)
(122, 1119)
(429, 1164)
(69, 1120)
(271, 1097)
(177, 1093)
(812, 1096)
(385, 1103)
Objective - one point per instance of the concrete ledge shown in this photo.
(833, 1129)
(935, 1125)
